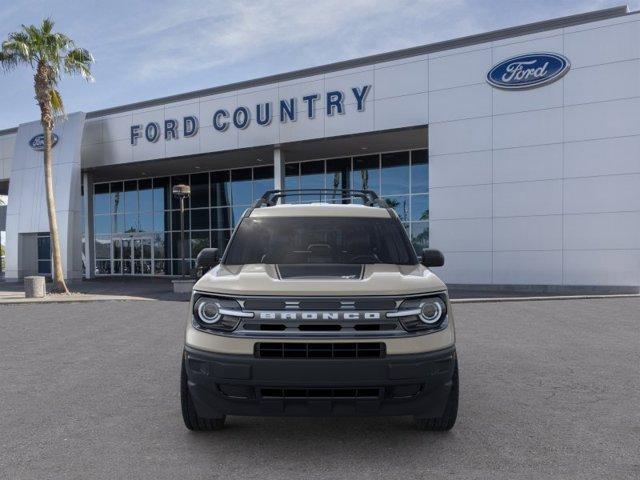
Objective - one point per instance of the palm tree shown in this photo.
(49, 54)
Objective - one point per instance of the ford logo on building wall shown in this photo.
(37, 142)
(528, 71)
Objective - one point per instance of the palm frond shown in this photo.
(56, 102)
(78, 61)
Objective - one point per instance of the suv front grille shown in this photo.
(360, 350)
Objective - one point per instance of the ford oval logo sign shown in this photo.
(528, 71)
(37, 142)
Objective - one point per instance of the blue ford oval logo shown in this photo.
(37, 142)
(528, 71)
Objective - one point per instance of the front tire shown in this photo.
(191, 419)
(450, 414)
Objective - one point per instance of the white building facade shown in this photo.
(515, 152)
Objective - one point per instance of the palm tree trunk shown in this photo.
(59, 285)
(43, 97)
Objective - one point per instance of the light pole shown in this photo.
(182, 192)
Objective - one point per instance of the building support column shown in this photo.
(87, 206)
(278, 169)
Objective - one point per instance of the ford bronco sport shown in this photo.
(319, 309)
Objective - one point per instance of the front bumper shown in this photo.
(415, 384)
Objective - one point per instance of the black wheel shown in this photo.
(191, 419)
(448, 418)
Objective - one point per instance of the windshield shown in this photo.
(320, 240)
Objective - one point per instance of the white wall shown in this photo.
(27, 208)
(539, 186)
(6, 154)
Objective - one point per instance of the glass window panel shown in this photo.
(241, 192)
(116, 197)
(117, 268)
(146, 267)
(159, 245)
(137, 268)
(395, 173)
(131, 196)
(199, 240)
(146, 222)
(338, 178)
(137, 248)
(102, 224)
(101, 198)
(200, 219)
(44, 247)
(178, 180)
(161, 194)
(103, 267)
(175, 220)
(419, 171)
(145, 195)
(292, 180)
(420, 236)
(366, 173)
(177, 267)
(160, 267)
(117, 223)
(103, 247)
(161, 221)
(262, 180)
(220, 218)
(292, 176)
(220, 189)
(126, 267)
(146, 248)
(126, 248)
(131, 222)
(401, 205)
(220, 239)
(420, 207)
(199, 190)
(312, 176)
(175, 245)
(44, 267)
(117, 248)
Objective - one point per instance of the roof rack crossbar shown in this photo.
(271, 197)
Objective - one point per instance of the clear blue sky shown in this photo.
(148, 49)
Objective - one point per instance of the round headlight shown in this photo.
(431, 311)
(208, 311)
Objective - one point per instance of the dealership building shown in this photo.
(516, 152)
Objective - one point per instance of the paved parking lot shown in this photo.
(549, 389)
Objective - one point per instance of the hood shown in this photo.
(319, 280)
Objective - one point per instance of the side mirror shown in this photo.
(432, 258)
(206, 260)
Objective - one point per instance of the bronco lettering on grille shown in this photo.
(319, 315)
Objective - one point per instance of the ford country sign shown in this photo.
(37, 142)
(528, 71)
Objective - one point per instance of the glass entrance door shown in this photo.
(132, 255)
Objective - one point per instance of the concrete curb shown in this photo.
(541, 299)
(71, 299)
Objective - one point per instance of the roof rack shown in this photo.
(271, 197)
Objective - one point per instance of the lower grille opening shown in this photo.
(306, 393)
(319, 327)
(361, 350)
(373, 327)
(268, 327)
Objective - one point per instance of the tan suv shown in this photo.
(319, 309)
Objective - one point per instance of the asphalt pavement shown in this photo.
(549, 389)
